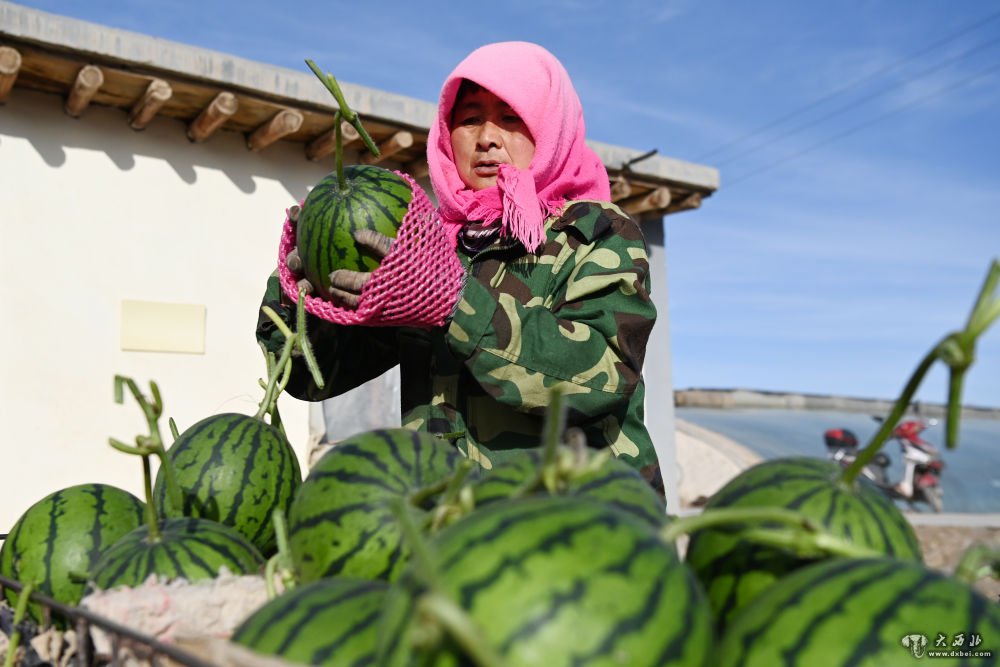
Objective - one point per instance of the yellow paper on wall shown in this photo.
(149, 326)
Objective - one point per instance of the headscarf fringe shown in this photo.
(522, 214)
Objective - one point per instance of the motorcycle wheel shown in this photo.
(934, 496)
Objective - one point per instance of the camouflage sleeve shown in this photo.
(580, 320)
(347, 356)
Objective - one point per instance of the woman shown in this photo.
(557, 285)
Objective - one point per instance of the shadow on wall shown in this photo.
(39, 119)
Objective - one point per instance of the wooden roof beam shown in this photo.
(10, 65)
(88, 81)
(620, 189)
(213, 116)
(146, 107)
(689, 203)
(397, 142)
(326, 143)
(651, 201)
(283, 123)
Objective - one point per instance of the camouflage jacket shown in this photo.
(576, 313)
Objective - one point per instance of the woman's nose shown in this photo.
(489, 136)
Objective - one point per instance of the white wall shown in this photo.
(93, 213)
(658, 368)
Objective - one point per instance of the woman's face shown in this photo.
(485, 133)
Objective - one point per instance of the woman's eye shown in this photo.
(468, 120)
(512, 119)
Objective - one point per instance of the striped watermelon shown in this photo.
(553, 581)
(862, 613)
(373, 198)
(188, 548)
(341, 521)
(613, 481)
(327, 622)
(236, 470)
(58, 539)
(734, 571)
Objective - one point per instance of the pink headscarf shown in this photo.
(535, 84)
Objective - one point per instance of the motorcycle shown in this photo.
(922, 463)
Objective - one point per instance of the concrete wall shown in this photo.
(658, 368)
(92, 214)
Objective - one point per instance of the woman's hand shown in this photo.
(346, 285)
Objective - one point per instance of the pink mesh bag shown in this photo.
(417, 284)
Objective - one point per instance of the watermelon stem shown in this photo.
(147, 488)
(977, 562)
(271, 389)
(305, 346)
(456, 501)
(555, 423)
(280, 372)
(462, 628)
(281, 564)
(350, 116)
(274, 413)
(338, 134)
(19, 611)
(900, 407)
(957, 350)
(984, 313)
(561, 461)
(421, 558)
(422, 495)
(149, 445)
(435, 604)
(800, 533)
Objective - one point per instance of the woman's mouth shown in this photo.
(485, 169)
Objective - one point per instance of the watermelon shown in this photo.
(331, 622)
(733, 571)
(551, 581)
(188, 548)
(342, 522)
(613, 481)
(57, 540)
(862, 613)
(372, 198)
(234, 469)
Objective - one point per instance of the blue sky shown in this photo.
(858, 143)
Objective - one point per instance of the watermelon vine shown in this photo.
(773, 527)
(343, 112)
(979, 561)
(957, 350)
(280, 566)
(735, 570)
(279, 368)
(19, 613)
(147, 446)
(433, 604)
(189, 548)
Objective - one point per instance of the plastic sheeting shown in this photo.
(374, 404)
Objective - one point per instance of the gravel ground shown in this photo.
(943, 547)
